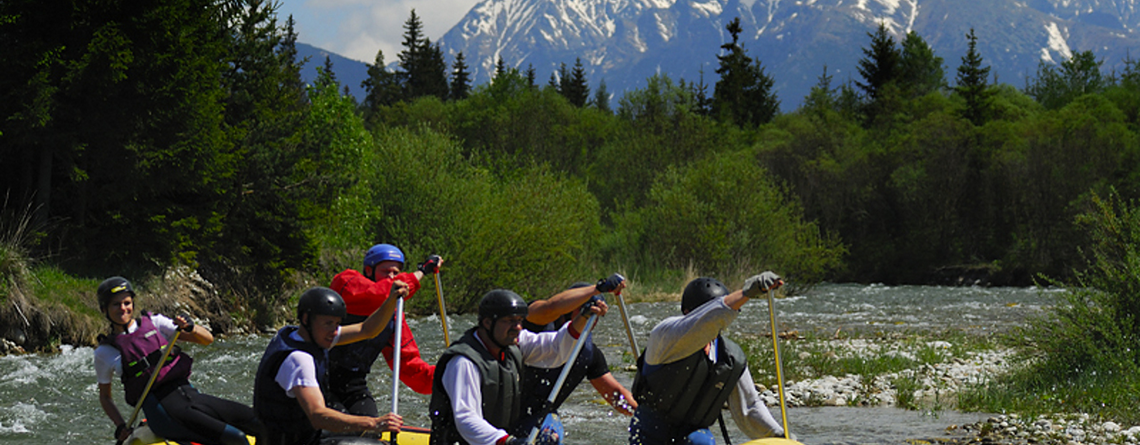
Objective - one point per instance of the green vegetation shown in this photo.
(1083, 355)
(138, 138)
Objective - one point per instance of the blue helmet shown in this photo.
(383, 252)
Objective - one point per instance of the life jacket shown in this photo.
(284, 420)
(690, 392)
(140, 351)
(358, 357)
(537, 382)
(502, 404)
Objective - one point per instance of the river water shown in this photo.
(51, 398)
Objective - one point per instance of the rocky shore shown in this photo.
(935, 385)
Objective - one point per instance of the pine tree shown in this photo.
(601, 99)
(1054, 87)
(460, 78)
(382, 87)
(920, 71)
(500, 67)
(972, 84)
(880, 64)
(433, 72)
(531, 76)
(575, 87)
(821, 98)
(326, 77)
(422, 62)
(744, 94)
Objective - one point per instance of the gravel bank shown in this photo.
(936, 386)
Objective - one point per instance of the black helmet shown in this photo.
(580, 284)
(700, 291)
(501, 303)
(111, 286)
(320, 301)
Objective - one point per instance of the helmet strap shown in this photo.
(491, 334)
(306, 322)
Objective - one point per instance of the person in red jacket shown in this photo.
(350, 364)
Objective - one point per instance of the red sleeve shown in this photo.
(362, 296)
(414, 371)
(410, 278)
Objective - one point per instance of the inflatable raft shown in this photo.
(409, 435)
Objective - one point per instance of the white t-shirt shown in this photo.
(298, 368)
(108, 360)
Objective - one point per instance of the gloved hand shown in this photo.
(189, 323)
(758, 284)
(609, 284)
(512, 440)
(590, 303)
(430, 265)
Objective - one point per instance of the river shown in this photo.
(51, 398)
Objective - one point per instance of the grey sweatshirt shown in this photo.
(680, 336)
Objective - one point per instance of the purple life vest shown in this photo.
(140, 351)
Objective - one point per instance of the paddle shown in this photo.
(149, 383)
(396, 363)
(565, 369)
(442, 310)
(628, 329)
(779, 372)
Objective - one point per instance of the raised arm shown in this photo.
(374, 324)
(542, 312)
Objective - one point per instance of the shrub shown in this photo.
(724, 215)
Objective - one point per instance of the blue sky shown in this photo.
(357, 29)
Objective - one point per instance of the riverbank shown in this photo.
(935, 386)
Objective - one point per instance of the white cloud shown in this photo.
(358, 28)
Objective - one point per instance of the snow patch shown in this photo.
(891, 5)
(663, 29)
(1056, 44)
(710, 8)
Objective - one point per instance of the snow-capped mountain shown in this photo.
(626, 41)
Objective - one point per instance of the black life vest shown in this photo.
(502, 397)
(358, 357)
(691, 392)
(140, 351)
(537, 382)
(285, 421)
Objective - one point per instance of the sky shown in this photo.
(357, 29)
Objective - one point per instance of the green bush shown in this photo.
(1082, 355)
(724, 215)
(528, 234)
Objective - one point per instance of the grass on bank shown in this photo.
(1084, 355)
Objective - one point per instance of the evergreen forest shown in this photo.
(138, 136)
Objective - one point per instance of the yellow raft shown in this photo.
(409, 435)
(773, 441)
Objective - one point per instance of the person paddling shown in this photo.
(476, 398)
(711, 369)
(174, 408)
(549, 315)
(349, 365)
(287, 390)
